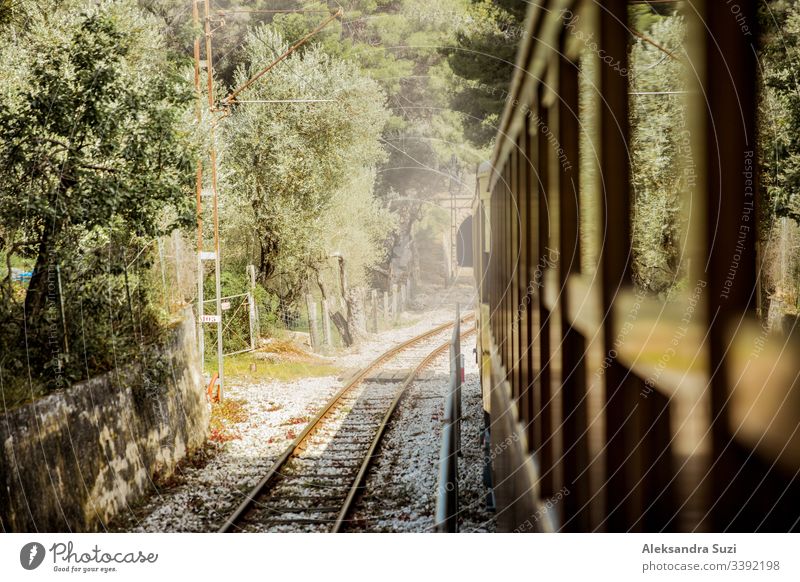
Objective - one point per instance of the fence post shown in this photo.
(374, 295)
(251, 272)
(312, 321)
(251, 311)
(386, 306)
(402, 297)
(395, 314)
(326, 323)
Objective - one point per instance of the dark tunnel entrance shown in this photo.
(464, 243)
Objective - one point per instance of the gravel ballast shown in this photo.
(206, 489)
(400, 495)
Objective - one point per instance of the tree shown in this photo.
(484, 57)
(780, 108)
(301, 175)
(398, 43)
(661, 161)
(93, 140)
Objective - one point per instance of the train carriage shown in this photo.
(610, 409)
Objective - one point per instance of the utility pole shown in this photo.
(214, 194)
(203, 255)
(199, 188)
(223, 109)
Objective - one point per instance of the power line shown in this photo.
(285, 101)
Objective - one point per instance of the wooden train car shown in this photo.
(610, 409)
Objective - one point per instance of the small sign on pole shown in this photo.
(208, 255)
(225, 305)
(210, 318)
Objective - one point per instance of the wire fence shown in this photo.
(239, 323)
(368, 310)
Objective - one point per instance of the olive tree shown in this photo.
(94, 143)
(300, 175)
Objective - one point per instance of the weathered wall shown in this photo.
(71, 461)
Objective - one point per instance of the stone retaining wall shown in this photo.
(73, 460)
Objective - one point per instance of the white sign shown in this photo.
(225, 305)
(210, 318)
(207, 255)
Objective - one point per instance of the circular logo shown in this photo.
(31, 555)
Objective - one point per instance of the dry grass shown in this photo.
(285, 361)
(224, 417)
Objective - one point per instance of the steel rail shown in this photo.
(274, 471)
(362, 472)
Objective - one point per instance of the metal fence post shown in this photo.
(251, 312)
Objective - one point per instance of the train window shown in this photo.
(590, 196)
(662, 172)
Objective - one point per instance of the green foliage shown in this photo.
(93, 132)
(398, 44)
(643, 17)
(484, 57)
(96, 159)
(301, 174)
(661, 161)
(779, 109)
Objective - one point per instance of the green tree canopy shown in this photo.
(484, 57)
(93, 139)
(297, 168)
(780, 107)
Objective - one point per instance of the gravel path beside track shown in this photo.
(400, 495)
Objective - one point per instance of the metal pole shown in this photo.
(453, 220)
(457, 386)
(252, 316)
(231, 98)
(213, 161)
(199, 189)
(61, 305)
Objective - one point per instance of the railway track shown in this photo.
(314, 483)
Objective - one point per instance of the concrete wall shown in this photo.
(72, 460)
